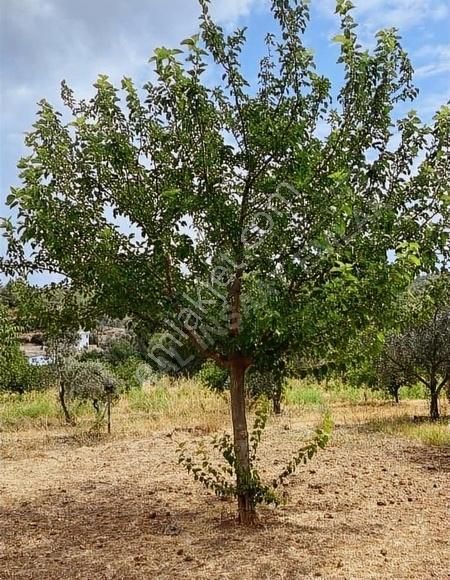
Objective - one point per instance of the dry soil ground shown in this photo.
(369, 506)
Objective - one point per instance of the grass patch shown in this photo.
(182, 404)
(435, 433)
(152, 401)
(417, 391)
(170, 404)
(429, 433)
(17, 411)
(309, 394)
(301, 394)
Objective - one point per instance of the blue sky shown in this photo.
(45, 41)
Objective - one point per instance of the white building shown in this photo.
(35, 354)
(83, 340)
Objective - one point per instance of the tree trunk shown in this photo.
(62, 400)
(434, 397)
(246, 507)
(276, 404)
(276, 399)
(434, 405)
(395, 393)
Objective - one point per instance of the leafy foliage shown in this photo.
(13, 364)
(421, 352)
(392, 376)
(250, 235)
(90, 382)
(222, 479)
(214, 377)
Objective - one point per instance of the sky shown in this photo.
(45, 41)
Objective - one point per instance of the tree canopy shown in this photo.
(421, 351)
(221, 216)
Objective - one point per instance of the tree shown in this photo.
(219, 214)
(58, 311)
(392, 376)
(422, 351)
(7, 296)
(90, 381)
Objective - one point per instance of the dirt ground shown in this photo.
(369, 506)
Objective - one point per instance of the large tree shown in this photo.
(219, 212)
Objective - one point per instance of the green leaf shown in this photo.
(339, 38)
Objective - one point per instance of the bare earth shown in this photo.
(370, 506)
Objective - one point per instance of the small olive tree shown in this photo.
(422, 351)
(92, 382)
(58, 311)
(390, 375)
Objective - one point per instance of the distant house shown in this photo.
(35, 353)
(83, 340)
(40, 360)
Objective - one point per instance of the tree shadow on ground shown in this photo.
(431, 458)
(99, 530)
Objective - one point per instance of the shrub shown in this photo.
(213, 376)
(90, 381)
(221, 477)
(133, 373)
(20, 377)
(119, 350)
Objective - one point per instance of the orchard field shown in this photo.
(225, 291)
(77, 503)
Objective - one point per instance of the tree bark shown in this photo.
(246, 507)
(434, 405)
(276, 399)
(395, 393)
(62, 400)
(434, 398)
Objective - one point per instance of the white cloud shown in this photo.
(437, 58)
(402, 14)
(45, 41)
(228, 11)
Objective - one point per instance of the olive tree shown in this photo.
(390, 375)
(58, 311)
(220, 214)
(421, 352)
(90, 381)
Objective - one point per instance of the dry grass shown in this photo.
(34, 418)
(181, 405)
(75, 505)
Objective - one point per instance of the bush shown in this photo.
(18, 376)
(40, 378)
(133, 373)
(90, 381)
(92, 355)
(214, 377)
(117, 351)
